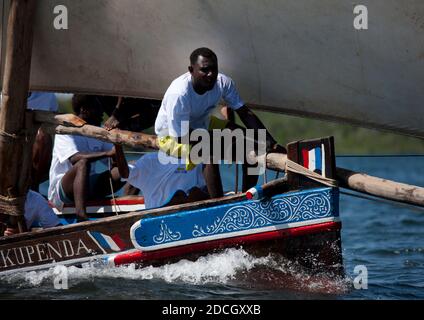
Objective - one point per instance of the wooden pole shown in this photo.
(361, 182)
(71, 124)
(16, 133)
(379, 187)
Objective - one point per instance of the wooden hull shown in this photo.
(302, 225)
(299, 57)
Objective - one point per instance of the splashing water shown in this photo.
(231, 267)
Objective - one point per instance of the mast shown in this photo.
(16, 129)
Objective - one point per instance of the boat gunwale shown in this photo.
(89, 225)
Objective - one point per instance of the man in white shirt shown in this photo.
(165, 184)
(190, 98)
(73, 178)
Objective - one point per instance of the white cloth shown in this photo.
(43, 101)
(182, 103)
(159, 182)
(65, 146)
(37, 209)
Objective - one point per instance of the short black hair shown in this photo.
(204, 52)
(80, 100)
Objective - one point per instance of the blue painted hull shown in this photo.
(301, 225)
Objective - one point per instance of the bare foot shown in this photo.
(10, 231)
(81, 217)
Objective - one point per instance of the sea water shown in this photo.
(383, 237)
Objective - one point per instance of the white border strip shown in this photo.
(102, 209)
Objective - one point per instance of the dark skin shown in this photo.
(113, 121)
(41, 158)
(204, 75)
(75, 182)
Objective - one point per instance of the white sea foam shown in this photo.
(219, 268)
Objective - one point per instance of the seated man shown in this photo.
(37, 211)
(133, 114)
(162, 185)
(73, 178)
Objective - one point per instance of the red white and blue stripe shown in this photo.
(107, 243)
(314, 159)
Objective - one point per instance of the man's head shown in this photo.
(88, 108)
(204, 69)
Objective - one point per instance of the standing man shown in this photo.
(190, 98)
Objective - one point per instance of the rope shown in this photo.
(380, 155)
(14, 206)
(9, 135)
(114, 206)
(13, 137)
(265, 178)
(297, 168)
(388, 201)
(237, 176)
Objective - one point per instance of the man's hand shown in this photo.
(111, 123)
(276, 148)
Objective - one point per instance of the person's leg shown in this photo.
(213, 180)
(75, 186)
(179, 197)
(100, 183)
(249, 180)
(130, 190)
(197, 194)
(41, 158)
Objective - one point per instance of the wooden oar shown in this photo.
(379, 187)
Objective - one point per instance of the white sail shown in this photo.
(294, 56)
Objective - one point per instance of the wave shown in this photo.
(229, 267)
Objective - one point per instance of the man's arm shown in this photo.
(121, 162)
(91, 156)
(251, 121)
(115, 117)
